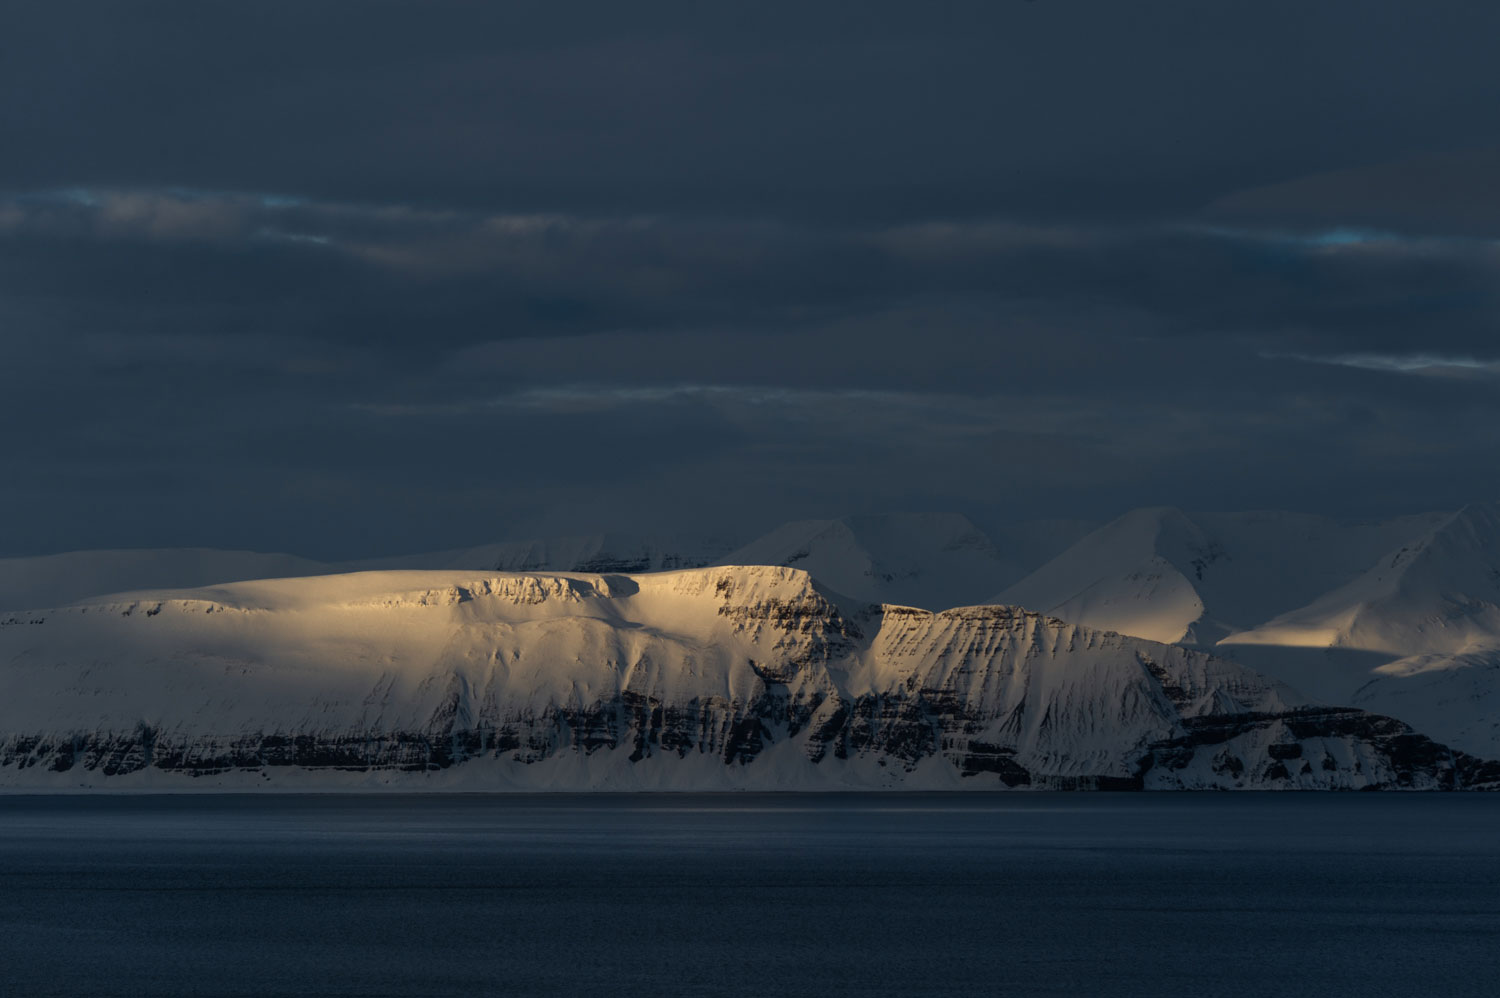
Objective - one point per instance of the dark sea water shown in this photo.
(1022, 894)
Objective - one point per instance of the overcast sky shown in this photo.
(361, 278)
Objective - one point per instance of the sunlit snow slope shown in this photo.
(1171, 576)
(55, 580)
(932, 560)
(730, 677)
(1418, 634)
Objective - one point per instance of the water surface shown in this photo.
(736, 894)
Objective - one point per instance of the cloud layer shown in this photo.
(271, 278)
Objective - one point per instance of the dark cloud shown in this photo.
(338, 280)
(1442, 194)
(868, 108)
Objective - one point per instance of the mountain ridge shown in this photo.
(1426, 621)
(1168, 575)
(728, 678)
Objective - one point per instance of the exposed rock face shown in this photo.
(704, 679)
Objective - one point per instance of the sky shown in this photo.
(354, 279)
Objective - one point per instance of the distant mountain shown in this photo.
(1436, 594)
(1418, 632)
(1167, 575)
(929, 560)
(1397, 616)
(727, 677)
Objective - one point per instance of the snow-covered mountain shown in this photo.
(929, 560)
(1398, 616)
(723, 677)
(60, 579)
(1401, 617)
(1418, 633)
(1171, 576)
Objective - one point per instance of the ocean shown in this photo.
(750, 894)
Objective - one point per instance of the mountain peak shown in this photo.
(713, 678)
